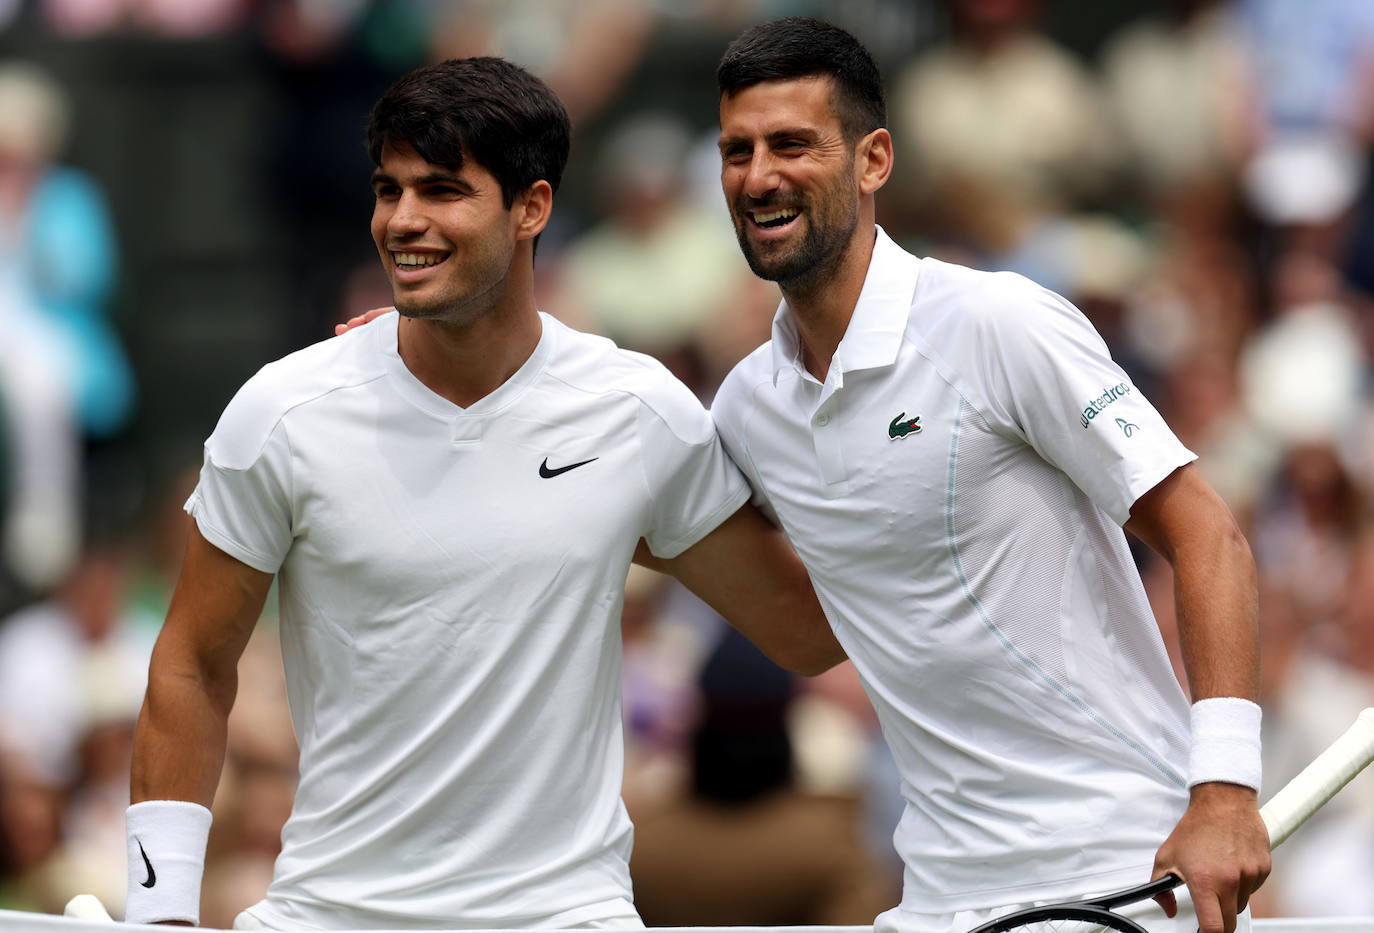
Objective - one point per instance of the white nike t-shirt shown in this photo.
(955, 488)
(451, 582)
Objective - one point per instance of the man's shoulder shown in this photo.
(964, 313)
(299, 378)
(740, 385)
(591, 365)
(976, 293)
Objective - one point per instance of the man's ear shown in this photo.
(873, 160)
(532, 210)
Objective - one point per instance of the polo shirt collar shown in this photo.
(874, 334)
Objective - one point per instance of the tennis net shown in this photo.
(12, 921)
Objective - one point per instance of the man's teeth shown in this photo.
(787, 213)
(419, 259)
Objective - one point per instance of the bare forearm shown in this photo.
(1215, 589)
(786, 622)
(180, 741)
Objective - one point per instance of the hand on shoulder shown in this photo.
(366, 317)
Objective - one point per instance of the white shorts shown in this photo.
(1147, 913)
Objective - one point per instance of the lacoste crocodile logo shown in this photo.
(899, 428)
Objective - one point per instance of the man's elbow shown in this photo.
(810, 660)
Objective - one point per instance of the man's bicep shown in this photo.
(217, 602)
(1180, 508)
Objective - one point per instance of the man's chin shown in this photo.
(774, 268)
(419, 310)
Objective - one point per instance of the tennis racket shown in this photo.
(1285, 812)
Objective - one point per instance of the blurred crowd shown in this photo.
(1193, 174)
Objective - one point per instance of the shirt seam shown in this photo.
(972, 599)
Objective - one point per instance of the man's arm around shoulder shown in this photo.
(747, 571)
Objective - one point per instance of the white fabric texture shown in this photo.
(166, 844)
(1226, 742)
(975, 572)
(451, 582)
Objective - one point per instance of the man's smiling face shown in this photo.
(788, 175)
(446, 238)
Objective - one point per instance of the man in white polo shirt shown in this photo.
(952, 453)
(449, 499)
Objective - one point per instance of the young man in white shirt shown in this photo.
(952, 453)
(449, 499)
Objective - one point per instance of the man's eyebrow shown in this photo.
(444, 178)
(433, 178)
(793, 132)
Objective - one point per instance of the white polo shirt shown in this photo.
(955, 488)
(451, 582)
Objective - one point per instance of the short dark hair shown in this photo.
(802, 47)
(505, 118)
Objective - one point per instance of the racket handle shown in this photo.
(1319, 781)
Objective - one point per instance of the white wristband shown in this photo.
(1226, 742)
(166, 860)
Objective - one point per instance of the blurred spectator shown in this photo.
(39, 486)
(584, 49)
(1306, 538)
(661, 265)
(1309, 697)
(57, 246)
(1312, 65)
(1178, 86)
(30, 835)
(1302, 375)
(172, 18)
(1312, 69)
(999, 128)
(67, 664)
(71, 679)
(744, 845)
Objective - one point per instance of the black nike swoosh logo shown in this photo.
(545, 472)
(152, 875)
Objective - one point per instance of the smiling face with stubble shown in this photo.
(789, 177)
(446, 238)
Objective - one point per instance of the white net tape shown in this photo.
(19, 922)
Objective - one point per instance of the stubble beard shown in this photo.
(453, 308)
(804, 267)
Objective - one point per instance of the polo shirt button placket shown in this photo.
(829, 456)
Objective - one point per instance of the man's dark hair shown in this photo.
(801, 47)
(499, 114)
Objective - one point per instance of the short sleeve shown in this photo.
(693, 485)
(242, 503)
(1051, 380)
(728, 412)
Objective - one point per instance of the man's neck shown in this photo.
(466, 363)
(823, 304)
